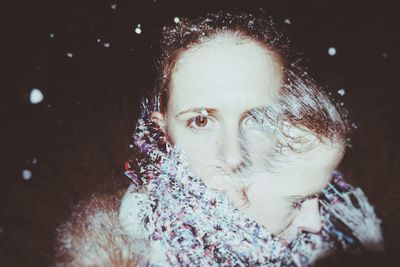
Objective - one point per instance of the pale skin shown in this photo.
(293, 189)
(214, 86)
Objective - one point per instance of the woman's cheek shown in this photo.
(200, 149)
(267, 204)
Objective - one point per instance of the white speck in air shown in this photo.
(287, 21)
(176, 20)
(332, 51)
(113, 6)
(204, 112)
(26, 174)
(341, 92)
(106, 45)
(385, 55)
(36, 96)
(34, 161)
(51, 35)
(138, 30)
(70, 55)
(98, 40)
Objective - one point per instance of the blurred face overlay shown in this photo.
(213, 87)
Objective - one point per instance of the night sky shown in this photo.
(86, 57)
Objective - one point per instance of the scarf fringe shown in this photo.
(357, 214)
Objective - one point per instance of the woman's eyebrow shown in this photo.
(300, 198)
(245, 114)
(200, 110)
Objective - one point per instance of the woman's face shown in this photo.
(213, 87)
(286, 200)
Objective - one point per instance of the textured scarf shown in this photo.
(199, 226)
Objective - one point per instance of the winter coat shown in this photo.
(122, 237)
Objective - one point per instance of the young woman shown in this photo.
(232, 159)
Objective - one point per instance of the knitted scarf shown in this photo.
(199, 226)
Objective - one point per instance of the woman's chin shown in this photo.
(287, 235)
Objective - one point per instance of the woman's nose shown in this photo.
(309, 218)
(232, 152)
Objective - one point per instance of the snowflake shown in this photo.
(36, 96)
(138, 29)
(26, 174)
(332, 51)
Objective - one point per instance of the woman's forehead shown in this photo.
(234, 73)
(312, 169)
(304, 175)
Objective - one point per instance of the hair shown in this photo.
(301, 118)
(189, 33)
(302, 103)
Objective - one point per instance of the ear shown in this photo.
(158, 118)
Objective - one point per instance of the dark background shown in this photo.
(76, 140)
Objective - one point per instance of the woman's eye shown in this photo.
(250, 122)
(201, 121)
(255, 124)
(198, 122)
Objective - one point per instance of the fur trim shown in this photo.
(94, 237)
